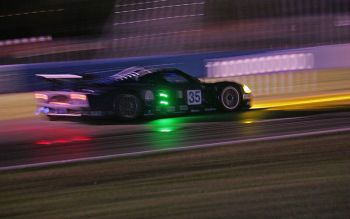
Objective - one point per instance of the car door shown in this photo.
(186, 92)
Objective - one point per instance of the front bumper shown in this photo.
(247, 101)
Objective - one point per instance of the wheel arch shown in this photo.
(135, 92)
(220, 86)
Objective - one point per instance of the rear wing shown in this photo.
(59, 76)
(63, 81)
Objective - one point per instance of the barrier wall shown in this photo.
(267, 73)
(295, 72)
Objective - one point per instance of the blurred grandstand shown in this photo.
(61, 30)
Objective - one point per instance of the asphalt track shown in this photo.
(38, 142)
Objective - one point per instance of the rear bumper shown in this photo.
(62, 103)
(60, 111)
(69, 111)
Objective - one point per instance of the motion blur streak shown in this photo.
(63, 141)
(300, 101)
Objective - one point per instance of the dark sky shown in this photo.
(221, 10)
(59, 18)
(62, 18)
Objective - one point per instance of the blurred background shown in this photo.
(62, 30)
(277, 47)
(288, 157)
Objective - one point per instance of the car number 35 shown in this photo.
(194, 97)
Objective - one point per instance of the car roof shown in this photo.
(132, 72)
(136, 72)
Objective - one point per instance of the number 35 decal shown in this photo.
(194, 97)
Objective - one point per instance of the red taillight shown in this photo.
(40, 96)
(78, 96)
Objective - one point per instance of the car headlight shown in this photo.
(246, 89)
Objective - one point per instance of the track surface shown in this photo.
(39, 142)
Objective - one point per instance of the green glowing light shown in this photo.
(163, 98)
(165, 130)
(163, 95)
(166, 103)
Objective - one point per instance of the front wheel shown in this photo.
(128, 106)
(230, 98)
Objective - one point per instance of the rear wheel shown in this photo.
(128, 106)
(230, 98)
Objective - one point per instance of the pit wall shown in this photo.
(268, 73)
(296, 72)
(296, 83)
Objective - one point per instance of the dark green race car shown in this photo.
(136, 92)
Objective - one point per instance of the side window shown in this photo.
(173, 77)
(148, 79)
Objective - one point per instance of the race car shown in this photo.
(138, 92)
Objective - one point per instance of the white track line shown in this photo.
(133, 154)
(158, 19)
(160, 7)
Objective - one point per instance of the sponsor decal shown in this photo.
(183, 108)
(194, 97)
(149, 96)
(209, 109)
(180, 94)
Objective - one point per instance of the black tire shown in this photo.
(128, 107)
(230, 98)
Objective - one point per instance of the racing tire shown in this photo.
(128, 107)
(230, 98)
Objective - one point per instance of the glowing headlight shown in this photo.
(246, 89)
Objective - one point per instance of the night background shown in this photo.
(287, 156)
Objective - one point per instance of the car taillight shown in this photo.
(78, 97)
(41, 96)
